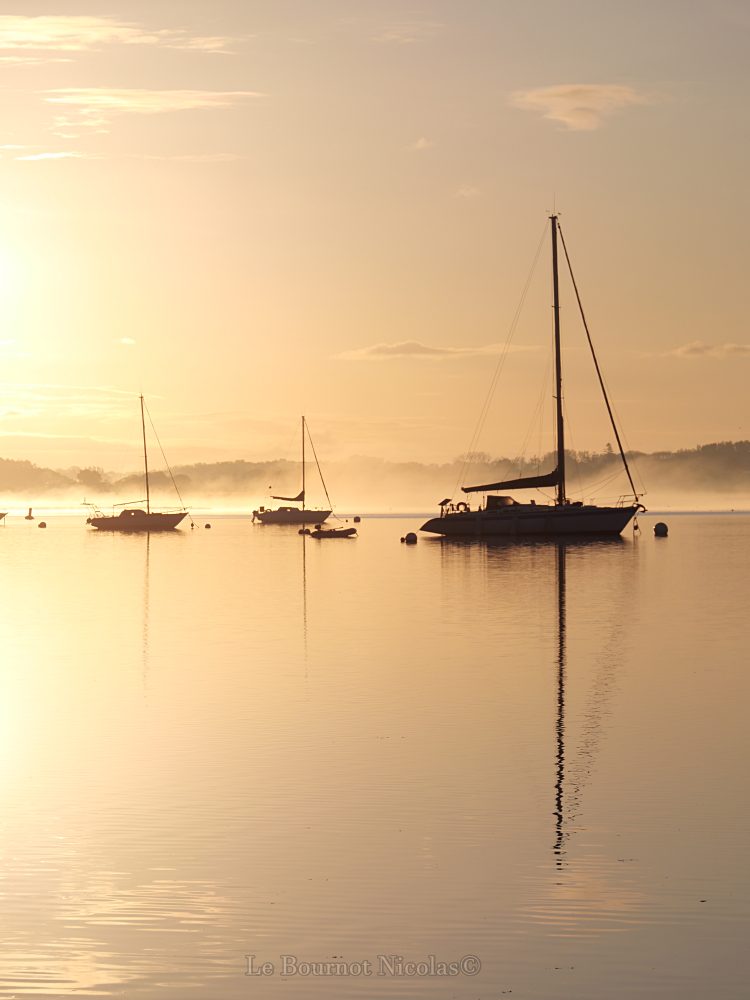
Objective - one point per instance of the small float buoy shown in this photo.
(206, 525)
(29, 516)
(357, 519)
(410, 538)
(42, 524)
(661, 530)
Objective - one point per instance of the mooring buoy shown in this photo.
(410, 538)
(661, 530)
(42, 524)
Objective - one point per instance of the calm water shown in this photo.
(228, 742)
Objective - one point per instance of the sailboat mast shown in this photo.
(303, 463)
(558, 371)
(145, 458)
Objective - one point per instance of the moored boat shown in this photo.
(321, 532)
(135, 519)
(296, 515)
(501, 515)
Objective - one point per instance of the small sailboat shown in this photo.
(135, 518)
(302, 514)
(502, 515)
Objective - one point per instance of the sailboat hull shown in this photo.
(137, 520)
(290, 515)
(531, 519)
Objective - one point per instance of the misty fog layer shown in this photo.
(713, 475)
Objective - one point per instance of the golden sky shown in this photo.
(253, 210)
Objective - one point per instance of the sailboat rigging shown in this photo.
(502, 515)
(135, 518)
(297, 515)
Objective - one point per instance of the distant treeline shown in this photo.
(723, 467)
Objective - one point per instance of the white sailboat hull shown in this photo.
(533, 519)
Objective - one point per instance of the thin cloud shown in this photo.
(414, 349)
(468, 191)
(581, 107)
(422, 143)
(408, 32)
(36, 399)
(127, 341)
(197, 157)
(93, 108)
(54, 156)
(62, 389)
(700, 349)
(39, 60)
(32, 35)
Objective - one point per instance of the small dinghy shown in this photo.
(321, 532)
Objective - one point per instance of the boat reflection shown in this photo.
(560, 832)
(146, 603)
(501, 569)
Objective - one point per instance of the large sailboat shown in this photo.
(135, 518)
(502, 515)
(301, 514)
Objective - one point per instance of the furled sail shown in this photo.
(298, 499)
(527, 483)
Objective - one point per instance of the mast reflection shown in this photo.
(304, 597)
(577, 737)
(146, 602)
(560, 721)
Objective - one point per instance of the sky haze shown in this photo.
(249, 211)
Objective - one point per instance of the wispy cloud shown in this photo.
(93, 108)
(197, 157)
(700, 349)
(468, 191)
(581, 107)
(421, 143)
(126, 341)
(423, 352)
(406, 32)
(34, 38)
(54, 156)
(37, 60)
(37, 399)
